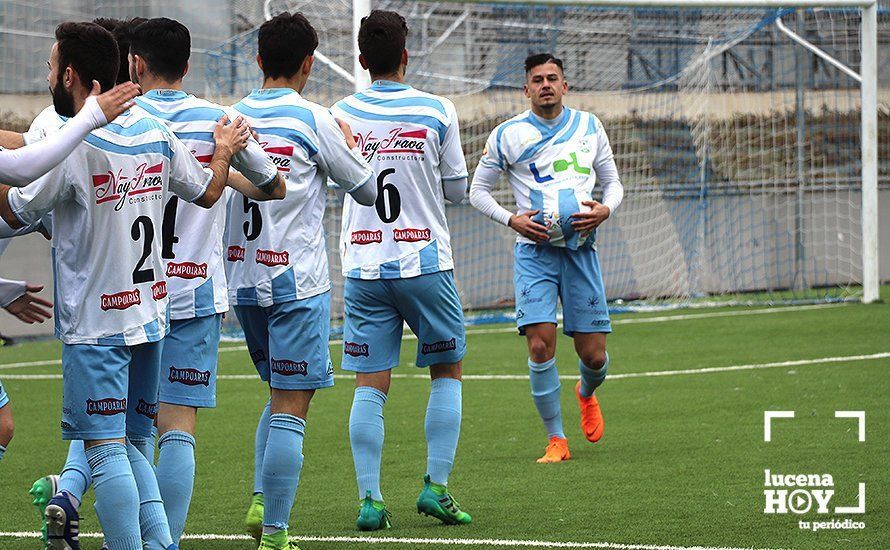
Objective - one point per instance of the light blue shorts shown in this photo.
(375, 313)
(4, 398)
(288, 342)
(188, 364)
(543, 273)
(109, 392)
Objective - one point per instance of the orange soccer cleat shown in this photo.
(557, 451)
(591, 415)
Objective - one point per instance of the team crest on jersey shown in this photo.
(235, 253)
(159, 290)
(147, 409)
(366, 236)
(189, 377)
(106, 407)
(120, 300)
(187, 270)
(271, 258)
(439, 347)
(280, 156)
(355, 349)
(119, 186)
(410, 235)
(398, 142)
(289, 368)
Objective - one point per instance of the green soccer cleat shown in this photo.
(372, 515)
(43, 490)
(277, 541)
(253, 523)
(436, 501)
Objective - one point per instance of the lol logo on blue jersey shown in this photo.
(560, 165)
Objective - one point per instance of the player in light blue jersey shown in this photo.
(553, 157)
(111, 306)
(398, 266)
(277, 265)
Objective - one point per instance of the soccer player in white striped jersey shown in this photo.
(398, 266)
(111, 309)
(277, 264)
(553, 157)
(192, 239)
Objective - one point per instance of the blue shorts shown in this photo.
(109, 392)
(288, 342)
(188, 364)
(4, 398)
(375, 313)
(541, 273)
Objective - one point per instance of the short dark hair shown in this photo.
(120, 30)
(536, 59)
(91, 51)
(165, 45)
(285, 41)
(381, 40)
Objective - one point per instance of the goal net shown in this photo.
(738, 147)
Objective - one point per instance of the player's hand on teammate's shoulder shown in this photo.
(231, 137)
(528, 228)
(116, 100)
(590, 220)
(347, 133)
(30, 308)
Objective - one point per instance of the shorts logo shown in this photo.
(235, 254)
(187, 270)
(439, 347)
(271, 258)
(147, 409)
(118, 186)
(289, 368)
(120, 300)
(410, 235)
(106, 407)
(365, 236)
(189, 377)
(519, 314)
(257, 356)
(600, 323)
(593, 301)
(159, 290)
(355, 350)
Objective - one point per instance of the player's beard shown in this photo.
(63, 101)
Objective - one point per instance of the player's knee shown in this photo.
(539, 351)
(593, 358)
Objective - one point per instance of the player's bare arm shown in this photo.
(11, 140)
(272, 191)
(6, 211)
(229, 138)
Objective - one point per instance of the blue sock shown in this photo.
(259, 447)
(76, 476)
(590, 378)
(152, 517)
(117, 498)
(176, 477)
(442, 427)
(281, 468)
(366, 439)
(545, 392)
(146, 445)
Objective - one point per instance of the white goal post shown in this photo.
(869, 95)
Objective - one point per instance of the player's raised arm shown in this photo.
(21, 166)
(25, 206)
(275, 189)
(258, 176)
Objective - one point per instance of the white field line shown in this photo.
(617, 376)
(400, 540)
(506, 330)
